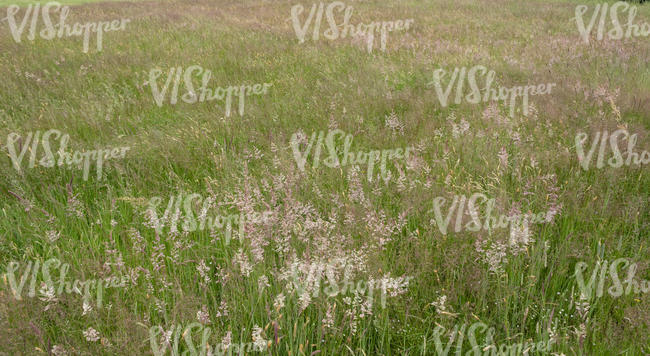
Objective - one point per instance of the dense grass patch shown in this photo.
(324, 222)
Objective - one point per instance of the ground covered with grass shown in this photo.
(331, 260)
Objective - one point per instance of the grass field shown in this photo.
(23, 3)
(324, 224)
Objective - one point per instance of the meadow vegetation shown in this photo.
(325, 222)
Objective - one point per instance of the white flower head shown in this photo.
(263, 282)
(278, 303)
(258, 341)
(91, 334)
(440, 304)
(58, 350)
(87, 308)
(203, 316)
(48, 293)
(52, 236)
(223, 309)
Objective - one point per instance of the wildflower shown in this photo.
(223, 309)
(301, 137)
(203, 316)
(305, 300)
(74, 206)
(48, 295)
(515, 136)
(167, 337)
(226, 341)
(581, 332)
(395, 286)
(278, 303)
(91, 334)
(263, 282)
(52, 236)
(159, 306)
(494, 255)
(552, 211)
(203, 271)
(152, 221)
(440, 304)
(393, 123)
(58, 350)
(461, 129)
(519, 235)
(258, 341)
(328, 321)
(158, 256)
(222, 276)
(355, 188)
(244, 264)
(138, 240)
(366, 307)
(87, 308)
